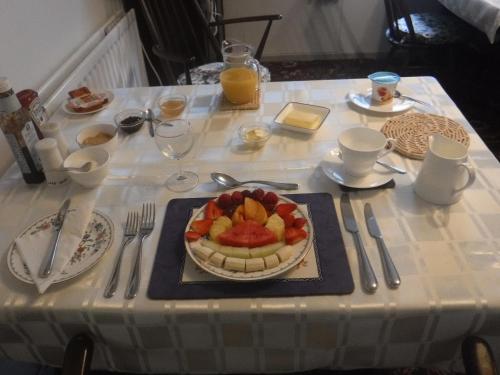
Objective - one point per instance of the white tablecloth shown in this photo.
(483, 14)
(448, 257)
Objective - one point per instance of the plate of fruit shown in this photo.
(248, 235)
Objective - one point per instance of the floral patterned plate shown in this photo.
(95, 242)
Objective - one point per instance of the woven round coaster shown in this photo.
(412, 131)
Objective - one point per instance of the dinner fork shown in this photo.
(131, 228)
(145, 229)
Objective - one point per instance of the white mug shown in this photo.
(361, 147)
(444, 174)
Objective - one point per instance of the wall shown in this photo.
(312, 29)
(36, 37)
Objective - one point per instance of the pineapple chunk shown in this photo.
(276, 225)
(220, 225)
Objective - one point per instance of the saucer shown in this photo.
(332, 167)
(364, 101)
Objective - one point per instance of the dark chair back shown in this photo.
(184, 36)
(395, 10)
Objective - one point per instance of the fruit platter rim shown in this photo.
(300, 249)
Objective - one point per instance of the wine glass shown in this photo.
(175, 140)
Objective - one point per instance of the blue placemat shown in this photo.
(334, 272)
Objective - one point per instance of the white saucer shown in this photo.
(364, 100)
(332, 166)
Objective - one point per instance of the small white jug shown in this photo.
(444, 173)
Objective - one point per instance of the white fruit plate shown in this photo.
(299, 251)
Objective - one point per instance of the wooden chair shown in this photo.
(187, 39)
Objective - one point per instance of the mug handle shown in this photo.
(472, 176)
(392, 144)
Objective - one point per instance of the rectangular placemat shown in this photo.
(334, 274)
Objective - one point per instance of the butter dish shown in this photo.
(300, 117)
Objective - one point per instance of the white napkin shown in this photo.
(34, 248)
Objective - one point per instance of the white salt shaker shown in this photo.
(52, 161)
(53, 130)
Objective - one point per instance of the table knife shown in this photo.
(368, 278)
(48, 262)
(390, 271)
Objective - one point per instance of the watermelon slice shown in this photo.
(247, 234)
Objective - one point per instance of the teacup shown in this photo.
(383, 85)
(361, 147)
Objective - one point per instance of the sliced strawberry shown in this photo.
(212, 211)
(285, 208)
(294, 235)
(289, 219)
(192, 236)
(299, 222)
(201, 226)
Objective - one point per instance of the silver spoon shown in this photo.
(230, 182)
(382, 163)
(398, 95)
(87, 166)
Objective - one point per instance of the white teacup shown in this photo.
(361, 147)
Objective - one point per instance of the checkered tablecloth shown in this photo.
(448, 257)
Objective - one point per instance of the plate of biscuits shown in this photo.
(83, 101)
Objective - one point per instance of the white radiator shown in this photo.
(116, 61)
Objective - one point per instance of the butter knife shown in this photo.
(150, 118)
(368, 278)
(390, 272)
(48, 262)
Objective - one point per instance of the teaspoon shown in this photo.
(398, 95)
(87, 166)
(230, 182)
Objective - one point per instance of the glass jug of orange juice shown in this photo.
(240, 77)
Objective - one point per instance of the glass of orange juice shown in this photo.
(171, 106)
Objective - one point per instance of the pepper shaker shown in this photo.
(52, 162)
(53, 130)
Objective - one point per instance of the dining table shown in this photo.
(448, 257)
(484, 15)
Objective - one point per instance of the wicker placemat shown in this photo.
(226, 105)
(412, 131)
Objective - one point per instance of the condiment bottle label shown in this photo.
(18, 152)
(30, 138)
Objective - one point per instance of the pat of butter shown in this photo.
(302, 119)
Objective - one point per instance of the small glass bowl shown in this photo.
(171, 106)
(254, 134)
(130, 120)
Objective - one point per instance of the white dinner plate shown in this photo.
(109, 95)
(96, 241)
(333, 168)
(300, 250)
(364, 101)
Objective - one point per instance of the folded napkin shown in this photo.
(33, 248)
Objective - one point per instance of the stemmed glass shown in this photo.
(175, 140)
